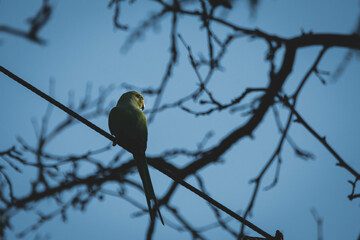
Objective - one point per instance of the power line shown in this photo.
(158, 167)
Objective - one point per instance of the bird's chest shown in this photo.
(129, 127)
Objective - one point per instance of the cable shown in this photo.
(111, 138)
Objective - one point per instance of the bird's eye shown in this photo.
(138, 96)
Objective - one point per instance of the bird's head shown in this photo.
(133, 98)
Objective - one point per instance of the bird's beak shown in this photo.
(143, 105)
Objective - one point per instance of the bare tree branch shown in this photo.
(36, 24)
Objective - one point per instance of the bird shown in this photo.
(129, 126)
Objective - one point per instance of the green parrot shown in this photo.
(129, 126)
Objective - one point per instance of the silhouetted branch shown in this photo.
(194, 232)
(319, 223)
(36, 24)
(298, 151)
(171, 63)
(138, 32)
(353, 195)
(340, 161)
(116, 17)
(217, 213)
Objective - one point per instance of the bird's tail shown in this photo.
(142, 166)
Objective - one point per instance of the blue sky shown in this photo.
(83, 46)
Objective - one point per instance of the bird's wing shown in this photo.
(129, 126)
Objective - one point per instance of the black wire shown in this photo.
(158, 167)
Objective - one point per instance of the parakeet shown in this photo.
(129, 126)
